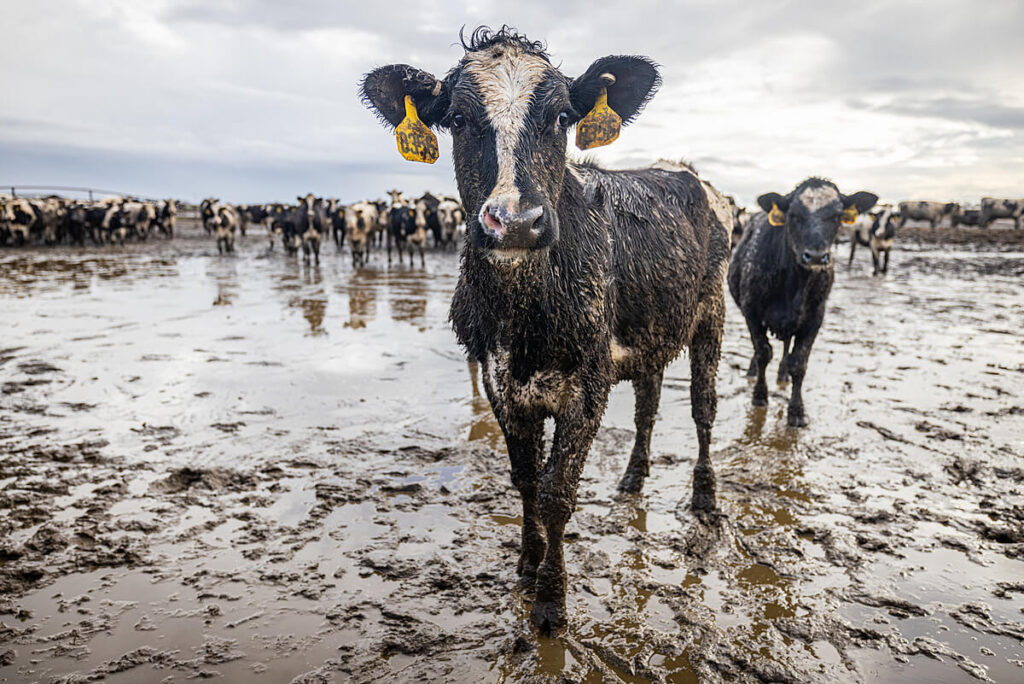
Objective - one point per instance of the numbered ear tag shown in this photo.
(416, 142)
(776, 217)
(600, 127)
(849, 215)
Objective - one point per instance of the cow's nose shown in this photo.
(814, 257)
(499, 220)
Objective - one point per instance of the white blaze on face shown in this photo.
(506, 79)
(819, 197)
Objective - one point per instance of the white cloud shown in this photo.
(259, 97)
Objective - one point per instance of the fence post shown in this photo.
(90, 195)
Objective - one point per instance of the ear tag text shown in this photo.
(776, 217)
(849, 215)
(601, 126)
(416, 142)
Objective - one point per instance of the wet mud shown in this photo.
(244, 468)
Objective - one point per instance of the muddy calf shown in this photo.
(781, 274)
(573, 277)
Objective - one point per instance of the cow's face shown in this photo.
(509, 111)
(885, 224)
(813, 212)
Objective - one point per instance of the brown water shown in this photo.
(246, 467)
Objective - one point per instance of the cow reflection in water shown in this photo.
(311, 300)
(409, 298)
(361, 291)
(225, 275)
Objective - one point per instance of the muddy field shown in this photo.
(247, 469)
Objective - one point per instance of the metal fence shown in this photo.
(44, 190)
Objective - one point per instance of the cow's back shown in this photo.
(669, 246)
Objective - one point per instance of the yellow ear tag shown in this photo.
(416, 142)
(601, 126)
(776, 217)
(849, 215)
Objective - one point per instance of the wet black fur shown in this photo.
(636, 256)
(779, 294)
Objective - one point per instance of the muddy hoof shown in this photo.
(760, 400)
(548, 617)
(797, 420)
(631, 483)
(527, 576)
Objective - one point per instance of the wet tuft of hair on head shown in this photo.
(483, 38)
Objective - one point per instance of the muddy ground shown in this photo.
(247, 469)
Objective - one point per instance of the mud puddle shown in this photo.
(246, 468)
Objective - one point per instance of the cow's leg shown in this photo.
(423, 261)
(705, 351)
(885, 263)
(783, 375)
(574, 432)
(752, 368)
(853, 248)
(874, 261)
(525, 442)
(797, 368)
(762, 355)
(647, 391)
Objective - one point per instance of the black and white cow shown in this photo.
(992, 209)
(877, 232)
(781, 274)
(572, 278)
(166, 213)
(21, 219)
(968, 216)
(361, 220)
(452, 217)
(224, 222)
(335, 221)
(427, 218)
(402, 229)
(932, 212)
(315, 227)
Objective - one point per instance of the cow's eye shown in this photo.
(563, 120)
(458, 121)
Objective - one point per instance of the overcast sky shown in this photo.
(255, 100)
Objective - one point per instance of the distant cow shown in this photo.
(405, 233)
(315, 226)
(781, 274)
(933, 212)
(138, 218)
(969, 216)
(166, 211)
(361, 220)
(992, 209)
(451, 215)
(336, 221)
(21, 218)
(224, 223)
(427, 218)
(876, 231)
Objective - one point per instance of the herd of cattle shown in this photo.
(400, 223)
(56, 220)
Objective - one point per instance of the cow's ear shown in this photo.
(383, 91)
(861, 200)
(770, 199)
(633, 82)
